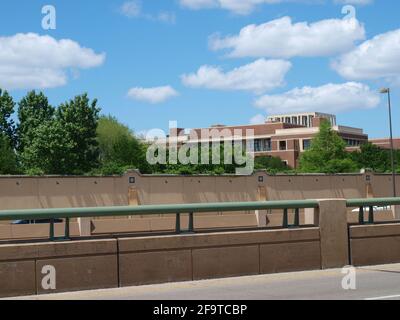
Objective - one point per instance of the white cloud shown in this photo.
(152, 95)
(374, 59)
(331, 98)
(31, 61)
(165, 16)
(131, 9)
(259, 76)
(244, 7)
(281, 38)
(258, 119)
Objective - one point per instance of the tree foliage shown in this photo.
(327, 153)
(34, 110)
(271, 164)
(73, 139)
(7, 125)
(78, 119)
(8, 162)
(57, 141)
(119, 149)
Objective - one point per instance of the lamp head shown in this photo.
(385, 90)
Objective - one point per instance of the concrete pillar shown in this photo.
(334, 233)
(332, 220)
(85, 226)
(396, 212)
(261, 215)
(311, 216)
(133, 198)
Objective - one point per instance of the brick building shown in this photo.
(283, 136)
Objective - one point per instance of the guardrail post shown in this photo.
(297, 217)
(371, 219)
(334, 233)
(178, 223)
(361, 215)
(285, 223)
(51, 230)
(191, 225)
(67, 235)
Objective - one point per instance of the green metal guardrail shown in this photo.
(370, 203)
(191, 209)
(178, 209)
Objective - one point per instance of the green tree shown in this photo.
(327, 153)
(7, 125)
(61, 141)
(271, 164)
(50, 150)
(372, 157)
(200, 168)
(119, 148)
(8, 161)
(78, 119)
(34, 110)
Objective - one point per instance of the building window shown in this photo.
(282, 145)
(268, 144)
(257, 145)
(262, 145)
(306, 144)
(352, 142)
(305, 121)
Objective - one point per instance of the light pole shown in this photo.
(387, 91)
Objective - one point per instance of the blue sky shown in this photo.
(152, 61)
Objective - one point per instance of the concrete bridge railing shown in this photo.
(324, 240)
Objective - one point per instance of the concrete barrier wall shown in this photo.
(204, 256)
(375, 244)
(79, 265)
(35, 231)
(93, 264)
(135, 189)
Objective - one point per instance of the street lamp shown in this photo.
(387, 91)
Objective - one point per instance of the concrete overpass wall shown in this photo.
(373, 245)
(21, 192)
(135, 189)
(93, 264)
(107, 263)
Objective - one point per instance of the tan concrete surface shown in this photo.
(211, 255)
(290, 257)
(155, 267)
(80, 265)
(80, 273)
(222, 262)
(378, 244)
(17, 278)
(53, 191)
(334, 235)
